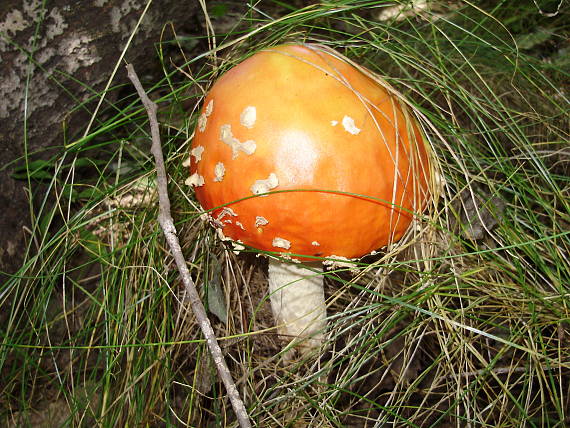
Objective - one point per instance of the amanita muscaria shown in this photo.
(302, 119)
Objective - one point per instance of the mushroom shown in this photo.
(313, 157)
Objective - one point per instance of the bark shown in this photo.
(52, 57)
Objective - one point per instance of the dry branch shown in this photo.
(167, 225)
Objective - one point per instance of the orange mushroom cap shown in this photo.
(299, 118)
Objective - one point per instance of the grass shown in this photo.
(464, 323)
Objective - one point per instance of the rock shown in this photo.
(477, 212)
(52, 58)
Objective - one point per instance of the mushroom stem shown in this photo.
(298, 302)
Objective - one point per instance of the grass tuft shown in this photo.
(463, 323)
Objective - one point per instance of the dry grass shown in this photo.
(462, 323)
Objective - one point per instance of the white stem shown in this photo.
(298, 302)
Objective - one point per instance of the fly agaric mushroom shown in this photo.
(302, 119)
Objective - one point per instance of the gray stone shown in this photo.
(45, 51)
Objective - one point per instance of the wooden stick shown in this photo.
(167, 225)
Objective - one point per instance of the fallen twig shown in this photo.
(167, 225)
